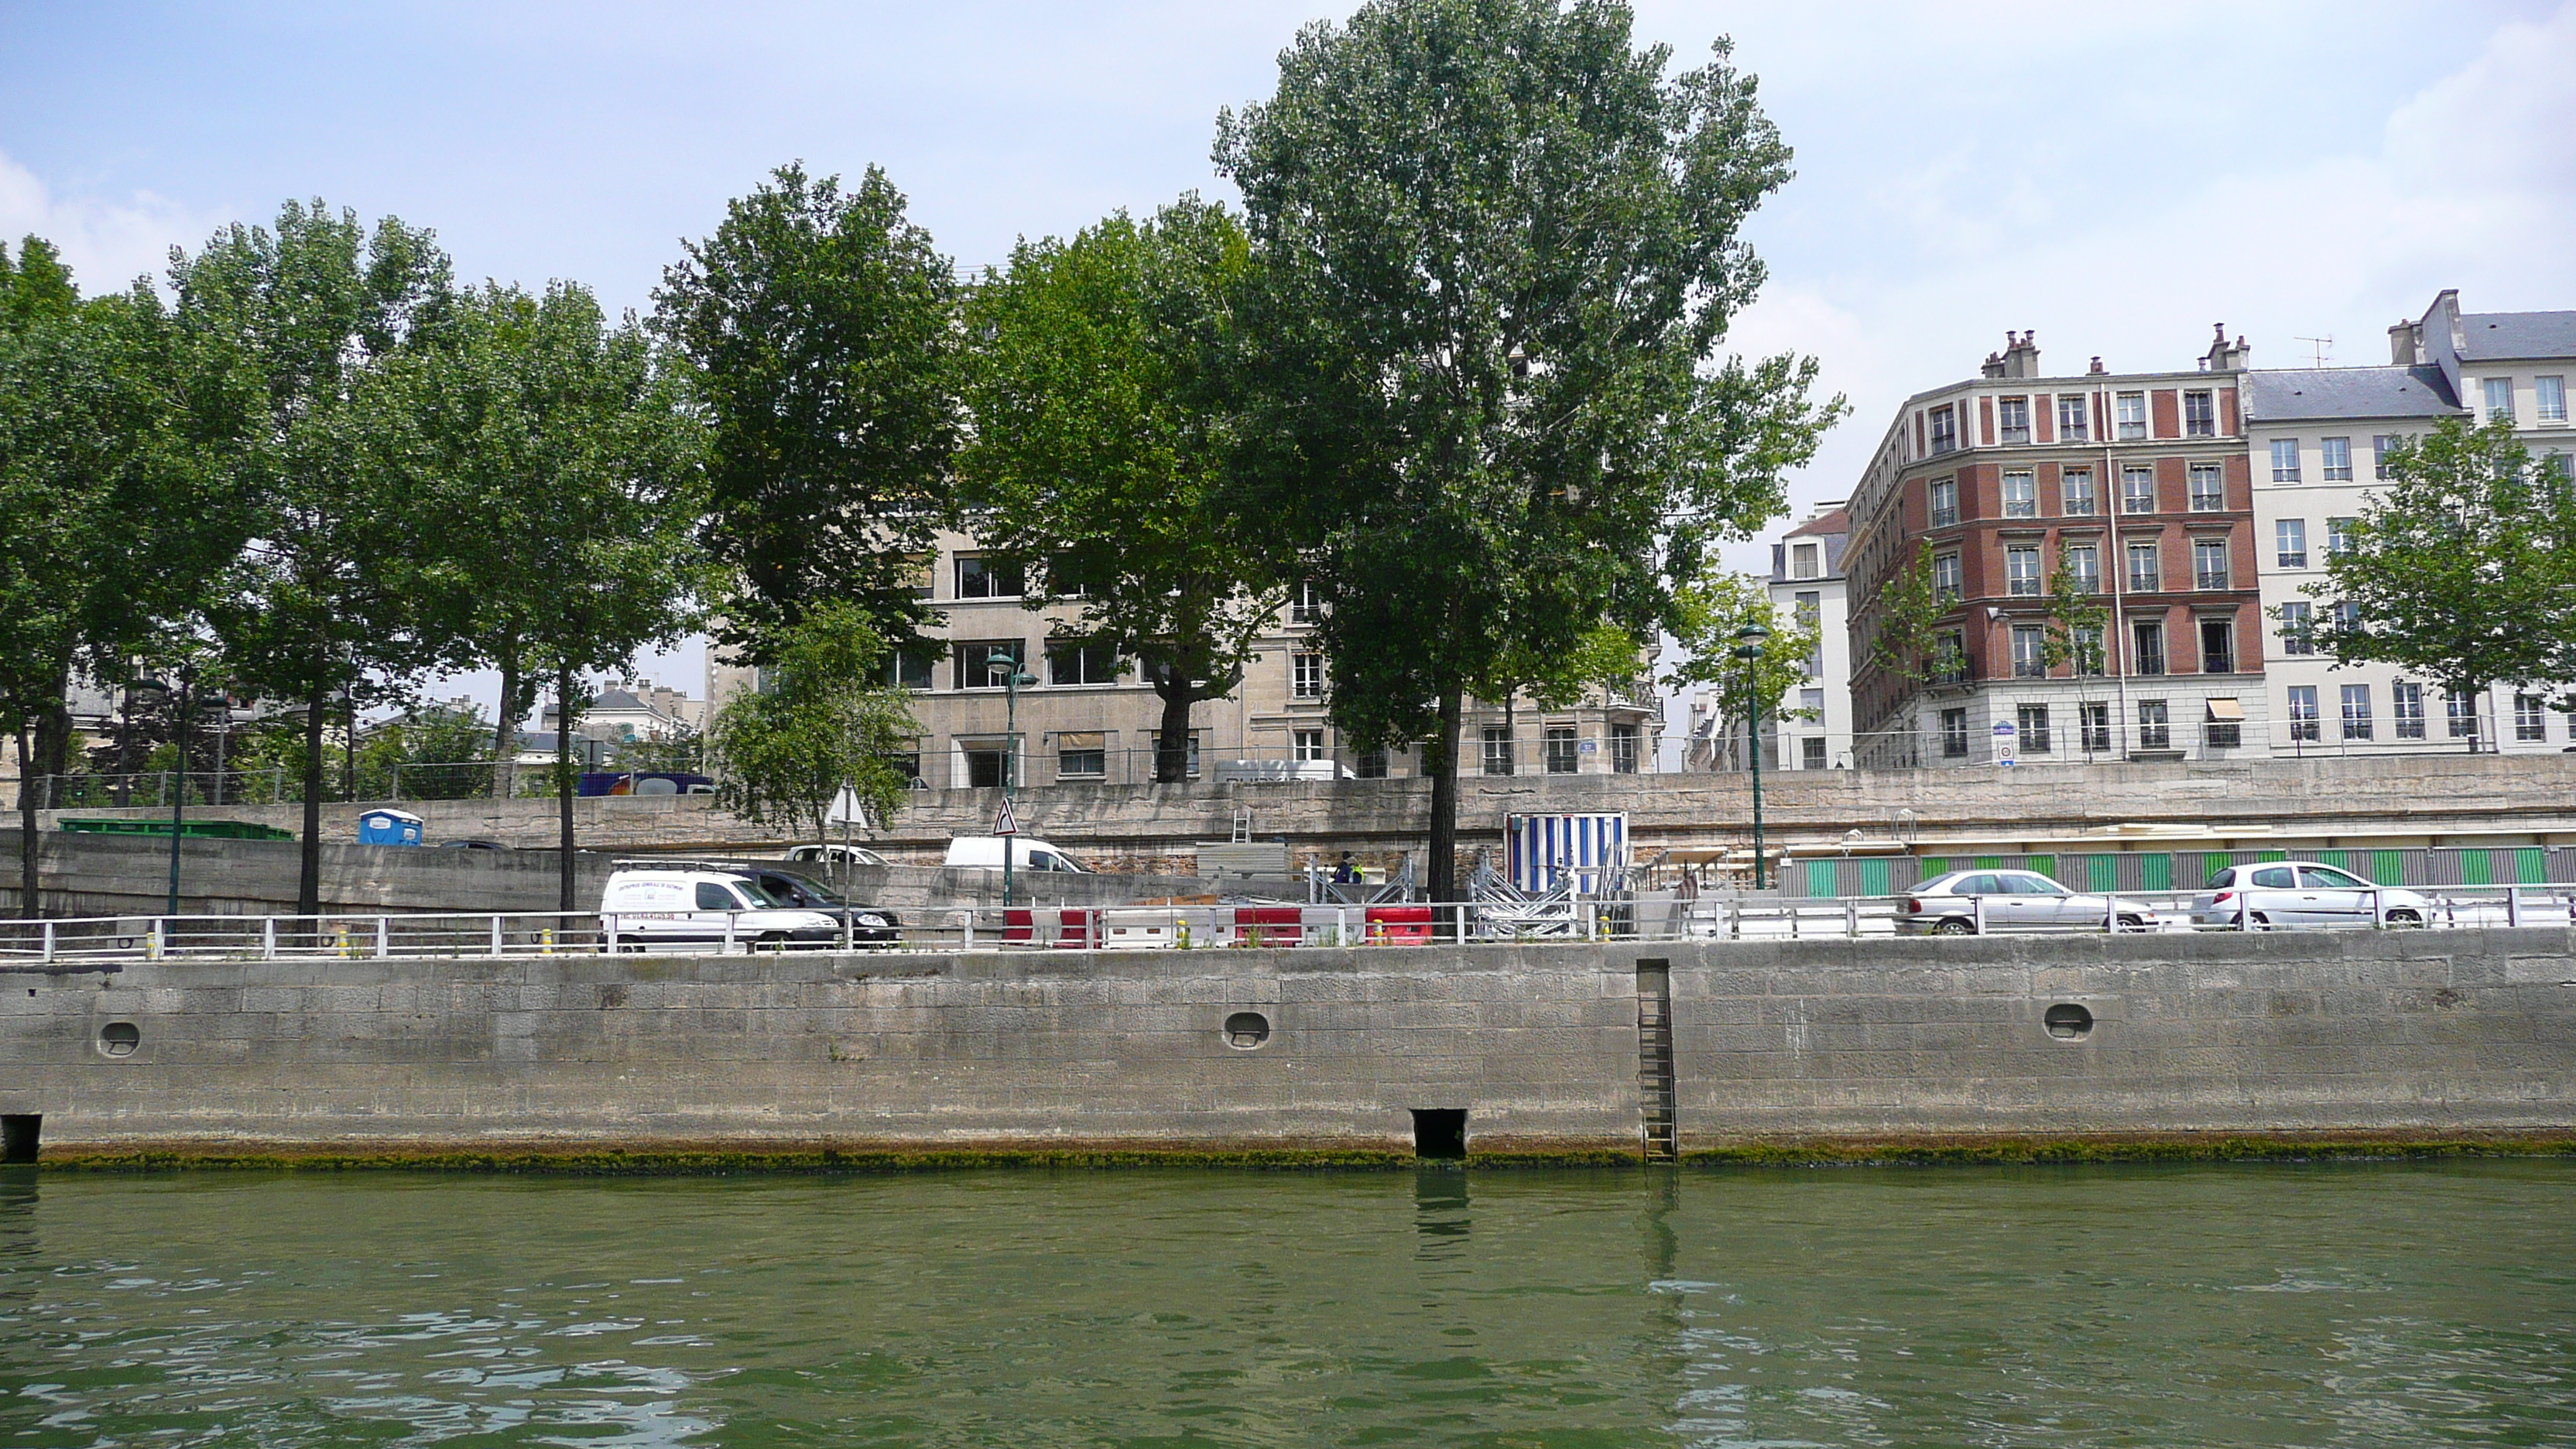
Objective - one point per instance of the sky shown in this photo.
(2117, 178)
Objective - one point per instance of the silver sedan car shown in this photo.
(2014, 900)
(2274, 894)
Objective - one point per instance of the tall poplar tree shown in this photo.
(1500, 251)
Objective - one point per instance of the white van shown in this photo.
(1026, 854)
(648, 906)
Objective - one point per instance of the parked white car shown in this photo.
(656, 906)
(2013, 900)
(1026, 854)
(835, 854)
(2302, 893)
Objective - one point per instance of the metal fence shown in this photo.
(2172, 870)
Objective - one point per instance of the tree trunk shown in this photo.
(308, 874)
(505, 743)
(1444, 797)
(30, 896)
(563, 782)
(1172, 741)
(54, 739)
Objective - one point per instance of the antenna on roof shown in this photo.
(2323, 347)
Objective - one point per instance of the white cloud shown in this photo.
(107, 243)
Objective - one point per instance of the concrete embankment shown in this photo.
(1988, 1045)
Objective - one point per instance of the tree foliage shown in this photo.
(1908, 646)
(819, 332)
(783, 752)
(1104, 447)
(1499, 250)
(1708, 612)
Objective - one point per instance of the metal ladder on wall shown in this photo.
(1655, 1090)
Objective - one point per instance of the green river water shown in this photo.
(2316, 1304)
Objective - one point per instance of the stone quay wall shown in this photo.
(2369, 1032)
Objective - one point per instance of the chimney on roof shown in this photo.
(2406, 344)
(2021, 356)
(2224, 356)
(1994, 365)
(2096, 369)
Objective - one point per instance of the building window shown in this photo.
(2337, 459)
(982, 663)
(987, 578)
(2356, 711)
(2093, 722)
(2146, 569)
(2499, 399)
(2085, 643)
(1809, 608)
(1081, 756)
(1954, 734)
(1623, 749)
(2021, 569)
(1560, 751)
(2071, 418)
(2031, 724)
(1371, 765)
(2290, 542)
(1811, 753)
(1307, 607)
(2015, 412)
(2155, 725)
(908, 669)
(2381, 446)
(2132, 414)
(2298, 629)
(2549, 396)
(2218, 646)
(2029, 651)
(2224, 729)
(2148, 635)
(2209, 563)
(1306, 676)
(2084, 564)
(2208, 488)
(2530, 718)
(2303, 712)
(2339, 532)
(1945, 502)
(1946, 577)
(2021, 494)
(1308, 745)
(1076, 661)
(2347, 615)
(2075, 491)
(2137, 490)
(1498, 751)
(2285, 460)
(2406, 703)
(2199, 415)
(1806, 561)
(1945, 430)
(2461, 707)
(1950, 661)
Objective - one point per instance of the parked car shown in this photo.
(2301, 893)
(1026, 853)
(2015, 900)
(834, 855)
(869, 925)
(670, 905)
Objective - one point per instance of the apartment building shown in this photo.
(1091, 717)
(2319, 442)
(1807, 585)
(2139, 484)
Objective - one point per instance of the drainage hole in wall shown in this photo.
(2067, 1021)
(1246, 1029)
(19, 1133)
(1440, 1132)
(120, 1038)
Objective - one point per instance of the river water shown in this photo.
(2242, 1305)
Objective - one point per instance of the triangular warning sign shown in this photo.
(1006, 823)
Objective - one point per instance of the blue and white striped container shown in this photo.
(1544, 848)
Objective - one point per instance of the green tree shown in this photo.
(2077, 620)
(1499, 251)
(313, 611)
(1909, 648)
(1708, 612)
(1103, 447)
(431, 752)
(2457, 567)
(819, 330)
(681, 749)
(783, 753)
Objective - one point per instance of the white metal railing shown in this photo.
(60, 943)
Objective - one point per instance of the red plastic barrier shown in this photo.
(1270, 925)
(1076, 928)
(1399, 925)
(1018, 925)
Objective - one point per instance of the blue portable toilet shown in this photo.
(388, 827)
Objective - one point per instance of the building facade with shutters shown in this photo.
(2138, 484)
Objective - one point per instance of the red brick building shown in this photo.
(2139, 484)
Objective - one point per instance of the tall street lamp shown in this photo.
(1748, 647)
(179, 797)
(1012, 678)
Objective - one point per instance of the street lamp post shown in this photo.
(1012, 678)
(179, 798)
(1748, 647)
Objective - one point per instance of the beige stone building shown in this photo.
(1091, 717)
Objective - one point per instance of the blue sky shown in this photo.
(2116, 177)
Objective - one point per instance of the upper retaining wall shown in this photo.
(2372, 1032)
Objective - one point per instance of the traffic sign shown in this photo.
(846, 809)
(1006, 823)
